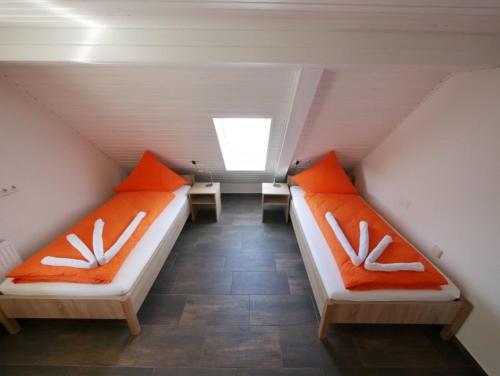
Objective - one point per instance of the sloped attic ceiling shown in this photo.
(124, 110)
(160, 71)
(355, 108)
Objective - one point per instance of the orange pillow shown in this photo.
(151, 175)
(326, 176)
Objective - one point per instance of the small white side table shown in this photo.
(276, 196)
(202, 196)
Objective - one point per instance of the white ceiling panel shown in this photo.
(430, 15)
(125, 110)
(169, 66)
(455, 33)
(354, 109)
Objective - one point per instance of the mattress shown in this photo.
(329, 272)
(131, 268)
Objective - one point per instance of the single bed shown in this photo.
(339, 305)
(120, 299)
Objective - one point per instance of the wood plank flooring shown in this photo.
(232, 299)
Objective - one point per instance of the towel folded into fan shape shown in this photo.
(369, 258)
(98, 256)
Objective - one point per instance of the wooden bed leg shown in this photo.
(131, 317)
(451, 329)
(325, 322)
(10, 325)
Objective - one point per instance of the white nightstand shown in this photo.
(202, 196)
(276, 196)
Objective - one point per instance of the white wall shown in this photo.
(60, 175)
(444, 160)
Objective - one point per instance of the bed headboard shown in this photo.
(290, 181)
(9, 258)
(189, 178)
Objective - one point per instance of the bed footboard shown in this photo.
(452, 328)
(10, 325)
(131, 317)
(452, 314)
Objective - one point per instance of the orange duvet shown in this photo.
(116, 213)
(348, 210)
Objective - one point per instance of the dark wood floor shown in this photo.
(232, 299)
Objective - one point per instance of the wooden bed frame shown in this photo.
(451, 314)
(124, 307)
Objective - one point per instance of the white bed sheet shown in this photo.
(130, 270)
(329, 272)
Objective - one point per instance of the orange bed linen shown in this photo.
(117, 213)
(348, 210)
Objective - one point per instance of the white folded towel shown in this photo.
(105, 257)
(364, 239)
(90, 260)
(371, 264)
(97, 241)
(73, 263)
(98, 257)
(356, 258)
(371, 258)
(81, 247)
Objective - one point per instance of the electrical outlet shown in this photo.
(5, 191)
(436, 252)
(404, 202)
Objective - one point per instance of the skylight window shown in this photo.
(243, 142)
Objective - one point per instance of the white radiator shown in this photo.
(9, 258)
